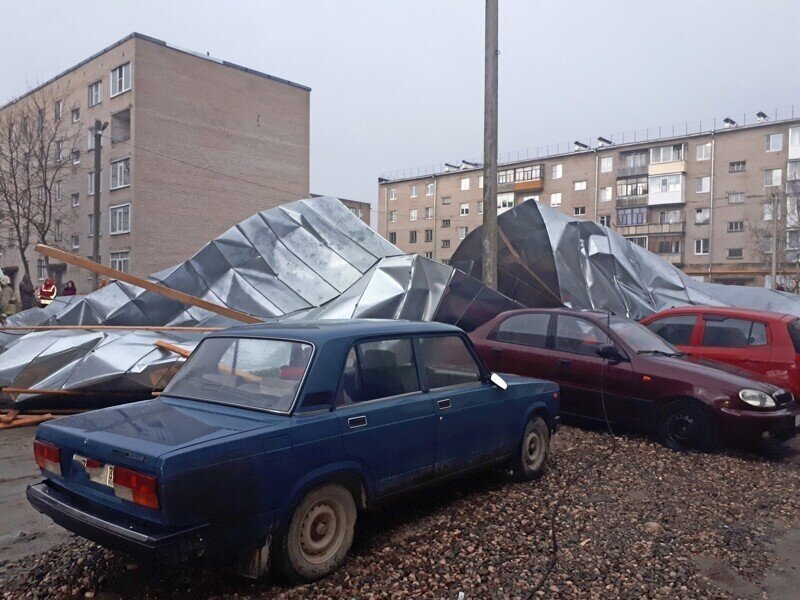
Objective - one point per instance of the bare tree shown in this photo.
(36, 146)
(779, 231)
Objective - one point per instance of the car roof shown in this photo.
(720, 310)
(323, 330)
(595, 314)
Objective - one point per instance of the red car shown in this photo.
(763, 342)
(613, 367)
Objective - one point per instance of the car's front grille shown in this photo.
(783, 397)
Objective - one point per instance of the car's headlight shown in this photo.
(756, 398)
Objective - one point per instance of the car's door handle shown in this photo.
(444, 403)
(355, 422)
(564, 363)
(496, 351)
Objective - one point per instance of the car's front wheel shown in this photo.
(687, 427)
(530, 460)
(319, 534)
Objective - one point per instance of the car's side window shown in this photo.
(379, 369)
(526, 330)
(676, 330)
(734, 333)
(447, 361)
(578, 336)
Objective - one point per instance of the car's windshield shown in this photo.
(640, 338)
(257, 373)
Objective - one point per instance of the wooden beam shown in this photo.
(22, 421)
(173, 348)
(106, 328)
(156, 288)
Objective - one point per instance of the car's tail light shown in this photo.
(136, 487)
(47, 456)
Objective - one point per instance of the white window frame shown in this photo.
(413, 191)
(428, 212)
(392, 193)
(729, 257)
(739, 226)
(606, 193)
(118, 170)
(605, 220)
(480, 182)
(702, 184)
(465, 184)
(770, 137)
(76, 114)
(113, 219)
(75, 244)
(429, 189)
(736, 195)
(557, 171)
(125, 72)
(704, 215)
(58, 110)
(90, 186)
(606, 164)
(555, 199)
(773, 182)
(76, 157)
(413, 214)
(698, 251)
(392, 216)
(73, 197)
(95, 99)
(579, 186)
(704, 151)
(120, 260)
(463, 209)
(463, 232)
(480, 207)
(579, 211)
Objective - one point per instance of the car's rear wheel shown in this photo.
(530, 460)
(687, 427)
(319, 534)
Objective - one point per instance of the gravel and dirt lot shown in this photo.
(646, 523)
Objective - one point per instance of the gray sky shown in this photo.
(400, 84)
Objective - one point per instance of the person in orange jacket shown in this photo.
(47, 293)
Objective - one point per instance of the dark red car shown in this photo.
(763, 342)
(607, 365)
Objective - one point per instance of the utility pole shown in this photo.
(98, 139)
(775, 217)
(489, 241)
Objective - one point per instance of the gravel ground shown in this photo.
(646, 523)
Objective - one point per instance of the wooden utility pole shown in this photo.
(489, 241)
(775, 217)
(98, 139)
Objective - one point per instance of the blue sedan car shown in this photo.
(271, 437)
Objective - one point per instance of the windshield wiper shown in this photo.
(659, 353)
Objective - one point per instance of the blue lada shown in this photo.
(268, 441)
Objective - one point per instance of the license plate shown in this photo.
(99, 473)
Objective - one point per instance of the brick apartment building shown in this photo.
(702, 201)
(194, 145)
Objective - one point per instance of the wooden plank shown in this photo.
(9, 416)
(24, 421)
(173, 348)
(156, 288)
(106, 328)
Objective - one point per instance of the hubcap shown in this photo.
(322, 531)
(533, 450)
(685, 429)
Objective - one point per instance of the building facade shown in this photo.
(193, 146)
(704, 201)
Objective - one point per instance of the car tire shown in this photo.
(530, 460)
(687, 427)
(318, 536)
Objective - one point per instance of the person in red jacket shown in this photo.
(47, 293)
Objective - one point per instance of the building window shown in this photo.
(412, 237)
(666, 153)
(465, 184)
(768, 211)
(774, 142)
(429, 255)
(120, 173)
(606, 193)
(429, 189)
(704, 151)
(41, 269)
(506, 176)
(605, 220)
(429, 235)
(557, 171)
(95, 93)
(555, 199)
(120, 219)
(632, 186)
(772, 177)
(669, 247)
(736, 198)
(121, 261)
(667, 217)
(58, 109)
(735, 226)
(579, 211)
(58, 233)
(701, 246)
(392, 193)
(480, 182)
(412, 214)
(445, 223)
(534, 197)
(638, 240)
(480, 207)
(445, 200)
(464, 209)
(76, 199)
(76, 115)
(121, 79)
(445, 243)
(90, 189)
(90, 140)
(413, 191)
(392, 216)
(76, 157)
(579, 186)
(392, 237)
(702, 185)
(91, 224)
(735, 253)
(665, 183)
(428, 212)
(628, 217)
(121, 126)
(357, 212)
(504, 202)
(57, 191)
(462, 232)
(702, 216)
(737, 166)
(606, 164)
(528, 173)
(76, 241)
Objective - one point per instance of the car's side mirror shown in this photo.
(610, 352)
(498, 381)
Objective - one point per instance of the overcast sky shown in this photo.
(400, 84)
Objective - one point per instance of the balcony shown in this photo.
(674, 259)
(628, 201)
(632, 171)
(652, 229)
(666, 168)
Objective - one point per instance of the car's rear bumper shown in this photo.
(744, 425)
(144, 542)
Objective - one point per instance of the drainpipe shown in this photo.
(711, 209)
(435, 202)
(596, 183)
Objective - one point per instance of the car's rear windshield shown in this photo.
(794, 333)
(257, 373)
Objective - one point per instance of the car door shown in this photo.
(678, 330)
(387, 422)
(740, 342)
(471, 422)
